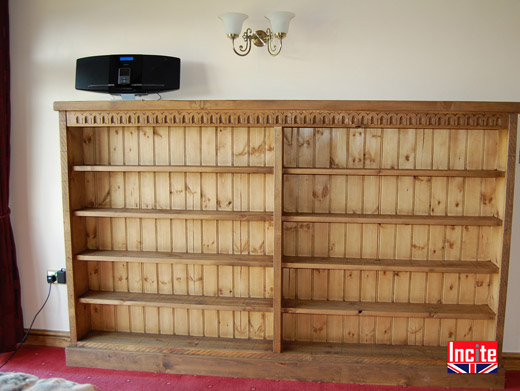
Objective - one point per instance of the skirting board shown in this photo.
(511, 361)
(280, 369)
(59, 339)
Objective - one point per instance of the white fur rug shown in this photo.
(12, 381)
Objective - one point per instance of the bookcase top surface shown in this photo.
(326, 105)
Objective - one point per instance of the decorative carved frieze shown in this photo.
(289, 118)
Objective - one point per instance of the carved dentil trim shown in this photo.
(290, 118)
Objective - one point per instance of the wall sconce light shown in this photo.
(279, 23)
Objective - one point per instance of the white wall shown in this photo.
(336, 49)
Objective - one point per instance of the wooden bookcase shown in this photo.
(341, 241)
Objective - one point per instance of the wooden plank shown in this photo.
(176, 343)
(238, 140)
(305, 144)
(321, 194)
(322, 147)
(484, 267)
(305, 200)
(103, 316)
(177, 145)
(225, 232)
(370, 232)
(257, 146)
(320, 283)
(164, 232)
(355, 148)
(208, 322)
(511, 361)
(240, 145)
(415, 331)
(117, 191)
(176, 258)
(174, 214)
(148, 226)
(280, 105)
(177, 301)
(387, 232)
(133, 226)
(383, 331)
(420, 233)
(163, 227)
(57, 339)
(509, 145)
(278, 241)
(402, 310)
(385, 278)
(290, 147)
(77, 283)
(304, 242)
(336, 247)
(393, 172)
(389, 219)
(474, 160)
(168, 168)
(456, 161)
(334, 329)
(320, 248)
(209, 232)
(319, 351)
(178, 227)
(338, 152)
(193, 318)
(281, 368)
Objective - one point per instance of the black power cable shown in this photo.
(28, 331)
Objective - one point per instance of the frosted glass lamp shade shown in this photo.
(233, 22)
(280, 21)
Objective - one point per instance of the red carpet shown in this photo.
(46, 362)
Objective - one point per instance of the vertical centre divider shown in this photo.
(277, 258)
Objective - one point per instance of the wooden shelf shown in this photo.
(178, 301)
(174, 214)
(174, 343)
(360, 353)
(395, 172)
(175, 258)
(182, 169)
(395, 310)
(397, 265)
(391, 219)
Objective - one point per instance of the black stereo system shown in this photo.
(136, 74)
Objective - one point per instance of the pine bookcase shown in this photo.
(342, 241)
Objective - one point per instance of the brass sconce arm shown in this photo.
(272, 48)
(259, 38)
(247, 37)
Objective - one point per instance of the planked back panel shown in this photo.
(430, 149)
(191, 146)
